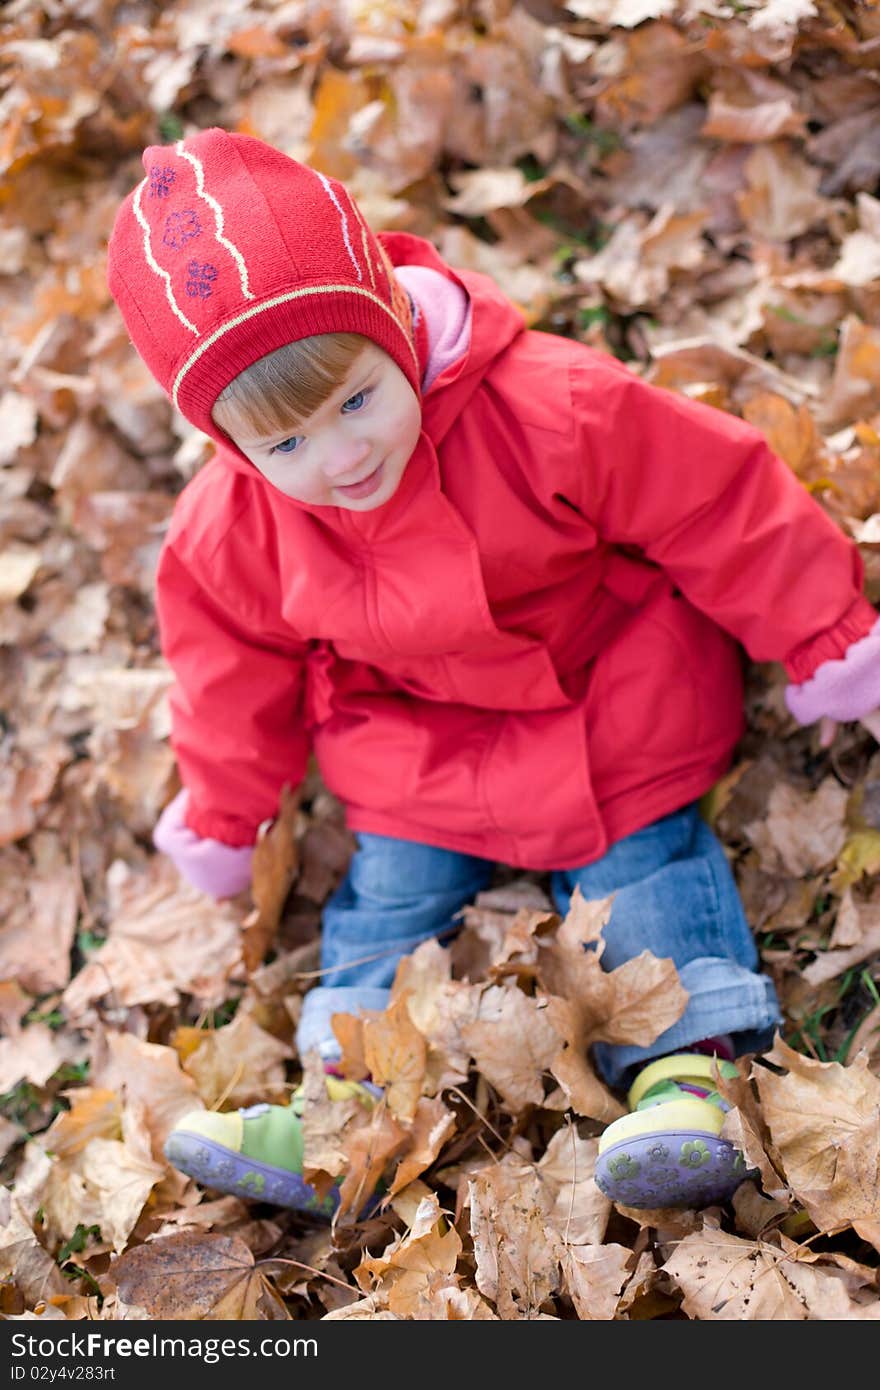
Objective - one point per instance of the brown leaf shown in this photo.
(95, 1113)
(22, 1258)
(191, 1277)
(594, 1276)
(783, 199)
(395, 1055)
(803, 831)
(33, 1054)
(790, 431)
(585, 1093)
(432, 1125)
(165, 939)
(517, 1254)
(274, 869)
(439, 1008)
(855, 387)
(576, 1209)
(410, 1275)
(37, 930)
(148, 1074)
(513, 1044)
(634, 1003)
(729, 1279)
(239, 1064)
(825, 1123)
(369, 1147)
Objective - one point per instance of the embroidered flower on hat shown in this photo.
(181, 227)
(199, 284)
(161, 180)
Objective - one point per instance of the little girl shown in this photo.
(497, 583)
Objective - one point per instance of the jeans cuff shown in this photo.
(724, 998)
(315, 1029)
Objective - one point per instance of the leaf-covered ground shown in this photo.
(690, 186)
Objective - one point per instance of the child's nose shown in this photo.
(345, 456)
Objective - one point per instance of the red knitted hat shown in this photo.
(229, 249)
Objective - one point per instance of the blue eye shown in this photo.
(287, 446)
(355, 402)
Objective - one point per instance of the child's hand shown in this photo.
(843, 688)
(209, 865)
(828, 728)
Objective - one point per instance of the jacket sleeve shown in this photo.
(701, 494)
(237, 722)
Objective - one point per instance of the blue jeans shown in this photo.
(675, 896)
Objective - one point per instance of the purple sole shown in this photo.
(219, 1168)
(673, 1168)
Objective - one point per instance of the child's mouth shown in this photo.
(366, 486)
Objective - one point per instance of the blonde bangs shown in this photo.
(281, 390)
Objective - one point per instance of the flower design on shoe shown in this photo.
(731, 1159)
(694, 1154)
(657, 1153)
(623, 1167)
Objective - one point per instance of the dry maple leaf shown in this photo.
(165, 939)
(440, 1008)
(369, 1147)
(23, 1261)
(273, 871)
(726, 1278)
(431, 1126)
(395, 1054)
(825, 1122)
(239, 1064)
(575, 1207)
(594, 1276)
(106, 1184)
(513, 1044)
(517, 1254)
(147, 1074)
(191, 1276)
(802, 831)
(413, 1270)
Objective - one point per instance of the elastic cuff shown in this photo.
(831, 645)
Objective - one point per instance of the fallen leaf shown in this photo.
(23, 1261)
(576, 1209)
(273, 872)
(517, 1256)
(594, 1276)
(239, 1064)
(824, 1119)
(513, 1044)
(395, 1055)
(803, 831)
(432, 1125)
(191, 1276)
(165, 939)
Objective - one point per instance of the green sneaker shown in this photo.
(669, 1152)
(257, 1152)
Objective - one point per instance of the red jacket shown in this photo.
(531, 649)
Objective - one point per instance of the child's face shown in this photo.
(353, 450)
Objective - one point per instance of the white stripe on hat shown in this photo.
(355, 209)
(152, 263)
(335, 201)
(218, 218)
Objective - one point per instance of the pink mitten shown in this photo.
(846, 689)
(209, 865)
